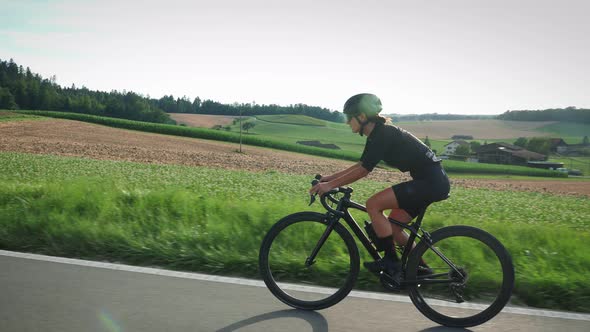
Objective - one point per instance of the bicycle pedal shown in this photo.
(389, 283)
(389, 279)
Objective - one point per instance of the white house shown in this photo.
(450, 148)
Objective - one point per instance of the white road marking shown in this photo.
(258, 283)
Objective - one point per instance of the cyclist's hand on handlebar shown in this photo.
(321, 188)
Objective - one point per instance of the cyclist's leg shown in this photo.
(381, 201)
(400, 237)
(390, 264)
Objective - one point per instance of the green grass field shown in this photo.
(290, 130)
(11, 116)
(211, 220)
(301, 120)
(572, 133)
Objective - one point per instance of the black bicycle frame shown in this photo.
(354, 226)
(341, 211)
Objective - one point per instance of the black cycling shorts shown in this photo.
(429, 184)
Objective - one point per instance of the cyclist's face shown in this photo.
(354, 124)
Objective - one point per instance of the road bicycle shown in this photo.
(310, 261)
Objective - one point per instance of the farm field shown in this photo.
(202, 120)
(288, 129)
(290, 119)
(479, 129)
(444, 130)
(73, 138)
(276, 143)
(292, 128)
(570, 132)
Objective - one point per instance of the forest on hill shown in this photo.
(22, 89)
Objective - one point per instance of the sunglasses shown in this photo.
(349, 117)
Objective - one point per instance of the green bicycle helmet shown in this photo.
(362, 103)
(366, 103)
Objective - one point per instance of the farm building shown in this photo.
(577, 150)
(450, 148)
(558, 145)
(504, 153)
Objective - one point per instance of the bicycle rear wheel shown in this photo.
(285, 251)
(472, 277)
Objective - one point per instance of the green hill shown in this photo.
(293, 128)
(294, 119)
(571, 132)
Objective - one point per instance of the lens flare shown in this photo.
(108, 322)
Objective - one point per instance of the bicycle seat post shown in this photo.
(420, 217)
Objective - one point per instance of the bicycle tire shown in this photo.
(458, 234)
(278, 290)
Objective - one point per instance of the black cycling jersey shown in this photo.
(397, 148)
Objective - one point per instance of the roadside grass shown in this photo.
(287, 142)
(210, 220)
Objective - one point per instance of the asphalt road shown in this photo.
(40, 295)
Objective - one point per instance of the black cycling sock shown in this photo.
(387, 243)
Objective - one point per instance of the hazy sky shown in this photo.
(463, 57)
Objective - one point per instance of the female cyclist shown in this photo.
(397, 148)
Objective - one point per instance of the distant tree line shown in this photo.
(22, 89)
(184, 105)
(569, 114)
(435, 116)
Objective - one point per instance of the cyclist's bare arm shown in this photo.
(341, 173)
(339, 179)
(348, 176)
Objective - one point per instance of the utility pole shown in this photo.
(240, 130)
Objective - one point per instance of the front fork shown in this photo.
(331, 220)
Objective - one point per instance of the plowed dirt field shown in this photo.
(73, 138)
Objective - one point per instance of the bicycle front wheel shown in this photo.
(471, 281)
(294, 279)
